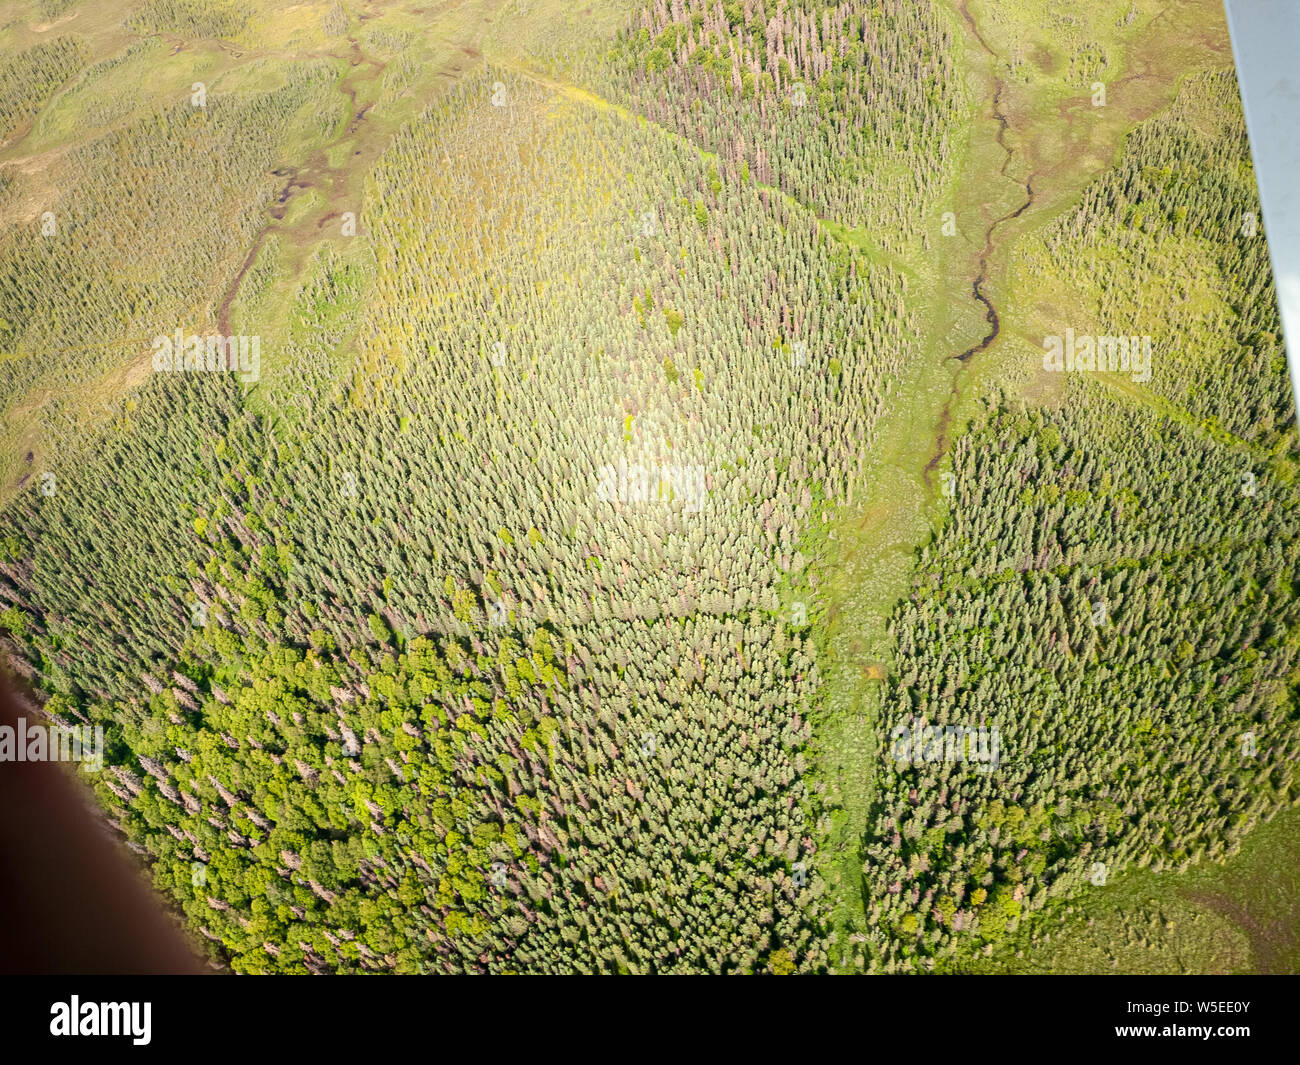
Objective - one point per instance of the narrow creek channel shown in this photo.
(981, 278)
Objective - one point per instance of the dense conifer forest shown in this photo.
(487, 622)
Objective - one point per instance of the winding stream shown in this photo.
(981, 278)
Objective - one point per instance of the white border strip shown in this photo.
(1266, 45)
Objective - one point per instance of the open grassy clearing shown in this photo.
(1240, 915)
